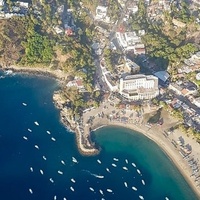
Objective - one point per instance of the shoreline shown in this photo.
(163, 145)
(38, 71)
(83, 135)
(106, 114)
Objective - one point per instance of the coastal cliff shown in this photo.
(83, 140)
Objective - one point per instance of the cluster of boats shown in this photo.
(74, 160)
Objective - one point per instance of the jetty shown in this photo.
(83, 135)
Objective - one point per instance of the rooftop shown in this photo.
(162, 75)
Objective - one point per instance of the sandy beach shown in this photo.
(155, 133)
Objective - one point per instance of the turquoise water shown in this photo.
(126, 158)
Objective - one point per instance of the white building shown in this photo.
(138, 87)
(113, 86)
(132, 66)
(197, 102)
(128, 40)
(101, 12)
(22, 4)
(1, 2)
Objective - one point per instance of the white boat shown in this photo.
(115, 159)
(72, 189)
(36, 146)
(138, 171)
(53, 139)
(101, 192)
(99, 161)
(51, 180)
(114, 165)
(55, 197)
(126, 161)
(74, 160)
(44, 157)
(64, 198)
(72, 180)
(41, 172)
(48, 132)
(143, 182)
(60, 172)
(141, 197)
(98, 176)
(108, 170)
(166, 198)
(125, 168)
(134, 188)
(134, 165)
(63, 162)
(92, 189)
(24, 104)
(31, 169)
(36, 123)
(125, 183)
(25, 137)
(109, 190)
(31, 191)
(29, 130)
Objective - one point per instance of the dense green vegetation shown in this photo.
(111, 58)
(32, 41)
(162, 40)
(38, 48)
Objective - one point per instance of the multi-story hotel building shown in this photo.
(136, 87)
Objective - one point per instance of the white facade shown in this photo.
(101, 12)
(1, 2)
(128, 40)
(136, 87)
(197, 102)
(110, 83)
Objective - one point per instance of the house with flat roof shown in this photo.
(101, 12)
(139, 87)
(132, 66)
(128, 40)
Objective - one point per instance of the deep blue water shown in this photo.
(120, 147)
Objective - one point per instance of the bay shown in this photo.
(25, 100)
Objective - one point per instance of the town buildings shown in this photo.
(130, 41)
(138, 87)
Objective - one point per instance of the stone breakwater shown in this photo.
(83, 139)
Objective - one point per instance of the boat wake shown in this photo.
(95, 175)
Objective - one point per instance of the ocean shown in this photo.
(39, 158)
